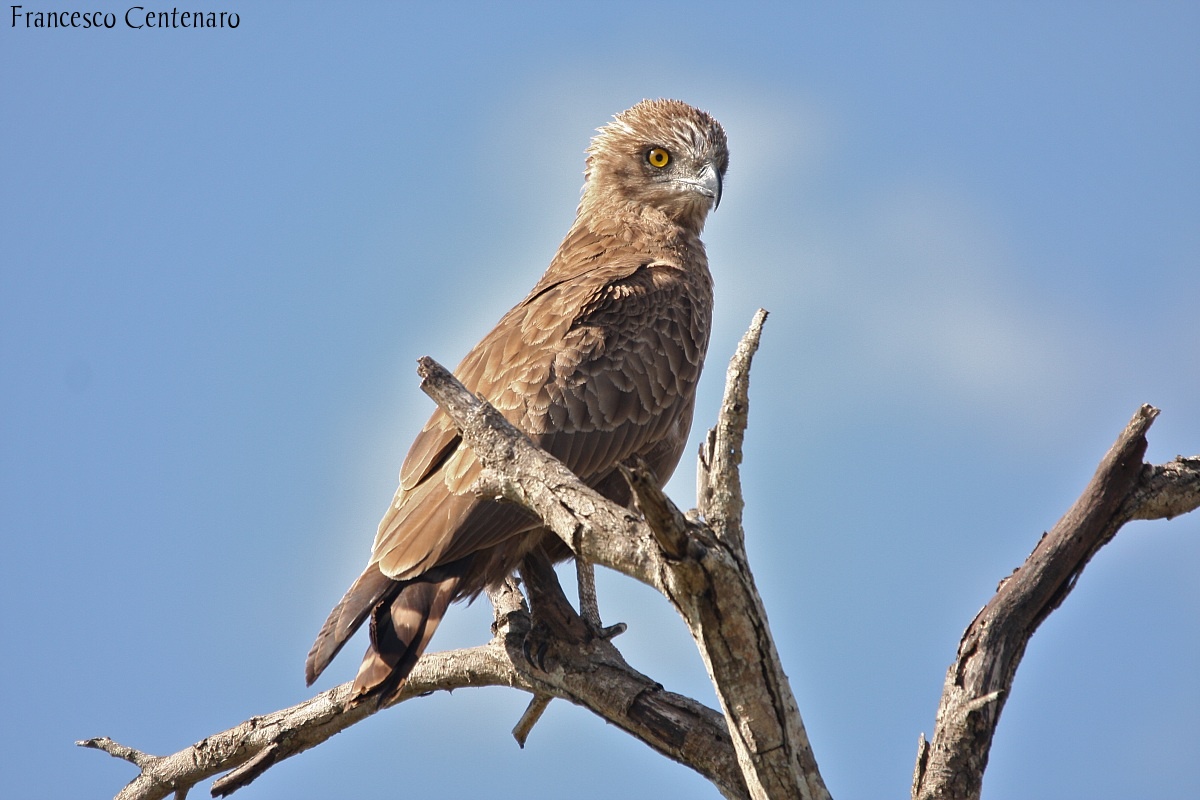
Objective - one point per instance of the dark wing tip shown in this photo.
(319, 657)
(346, 618)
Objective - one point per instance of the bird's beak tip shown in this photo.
(710, 179)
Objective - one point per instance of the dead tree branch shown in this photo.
(592, 675)
(765, 757)
(757, 747)
(979, 681)
(712, 587)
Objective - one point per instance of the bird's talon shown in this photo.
(534, 648)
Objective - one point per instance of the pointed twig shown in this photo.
(666, 521)
(719, 485)
(533, 712)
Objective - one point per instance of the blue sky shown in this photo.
(977, 229)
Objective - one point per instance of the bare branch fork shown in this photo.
(758, 746)
(570, 663)
(701, 568)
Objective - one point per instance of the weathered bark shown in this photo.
(758, 747)
(767, 759)
(979, 681)
(591, 674)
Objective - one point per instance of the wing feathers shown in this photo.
(371, 587)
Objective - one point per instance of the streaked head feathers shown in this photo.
(661, 153)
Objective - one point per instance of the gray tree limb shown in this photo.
(980, 679)
(590, 674)
(586, 670)
(757, 747)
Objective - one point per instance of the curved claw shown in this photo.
(535, 647)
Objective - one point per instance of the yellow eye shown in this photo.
(658, 157)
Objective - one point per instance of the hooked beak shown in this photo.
(709, 182)
(706, 183)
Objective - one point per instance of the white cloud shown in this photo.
(947, 308)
